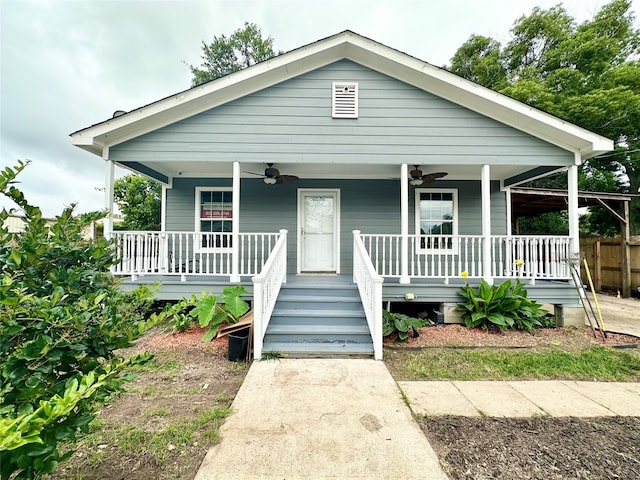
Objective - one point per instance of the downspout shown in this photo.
(404, 224)
(485, 177)
(108, 192)
(235, 228)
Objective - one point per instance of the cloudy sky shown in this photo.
(68, 64)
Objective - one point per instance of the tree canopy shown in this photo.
(139, 200)
(587, 73)
(225, 55)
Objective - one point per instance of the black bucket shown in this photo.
(238, 344)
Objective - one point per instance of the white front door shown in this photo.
(318, 231)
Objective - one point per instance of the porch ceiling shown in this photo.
(326, 170)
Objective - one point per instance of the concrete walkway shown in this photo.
(329, 418)
(320, 419)
(620, 315)
(524, 398)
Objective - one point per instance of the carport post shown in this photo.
(572, 207)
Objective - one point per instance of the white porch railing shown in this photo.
(542, 257)
(447, 256)
(190, 253)
(370, 288)
(266, 287)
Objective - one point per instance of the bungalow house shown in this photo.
(337, 178)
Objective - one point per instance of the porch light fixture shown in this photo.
(270, 180)
(415, 182)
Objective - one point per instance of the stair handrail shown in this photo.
(370, 288)
(266, 287)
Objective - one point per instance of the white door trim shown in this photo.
(336, 229)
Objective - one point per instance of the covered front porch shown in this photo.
(383, 272)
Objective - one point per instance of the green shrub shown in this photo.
(62, 317)
(503, 306)
(400, 324)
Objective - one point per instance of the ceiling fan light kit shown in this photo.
(272, 176)
(417, 178)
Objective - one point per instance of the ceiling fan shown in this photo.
(417, 178)
(272, 176)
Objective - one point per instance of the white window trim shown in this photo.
(334, 112)
(455, 243)
(197, 240)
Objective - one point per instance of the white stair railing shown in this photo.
(266, 287)
(370, 288)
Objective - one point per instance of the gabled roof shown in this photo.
(351, 46)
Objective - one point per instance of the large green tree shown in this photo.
(225, 55)
(139, 200)
(587, 73)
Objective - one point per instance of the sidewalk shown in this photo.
(523, 398)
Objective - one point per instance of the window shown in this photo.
(214, 217)
(436, 218)
(344, 100)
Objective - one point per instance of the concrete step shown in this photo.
(319, 349)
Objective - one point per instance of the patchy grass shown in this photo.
(177, 434)
(594, 363)
(163, 425)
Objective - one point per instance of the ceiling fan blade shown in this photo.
(430, 177)
(286, 178)
(253, 173)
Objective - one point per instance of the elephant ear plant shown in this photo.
(500, 306)
(212, 314)
(400, 324)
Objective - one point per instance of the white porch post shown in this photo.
(235, 228)
(404, 223)
(164, 241)
(572, 206)
(163, 209)
(108, 192)
(486, 223)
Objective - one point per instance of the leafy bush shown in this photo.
(502, 306)
(62, 316)
(400, 324)
(208, 311)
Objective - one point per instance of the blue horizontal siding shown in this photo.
(371, 206)
(291, 122)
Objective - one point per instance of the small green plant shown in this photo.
(400, 324)
(502, 306)
(208, 310)
(271, 355)
(212, 314)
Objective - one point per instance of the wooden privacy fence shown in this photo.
(604, 256)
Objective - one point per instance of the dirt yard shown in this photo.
(165, 423)
(149, 432)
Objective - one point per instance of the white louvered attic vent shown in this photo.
(345, 100)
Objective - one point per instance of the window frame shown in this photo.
(198, 219)
(454, 224)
